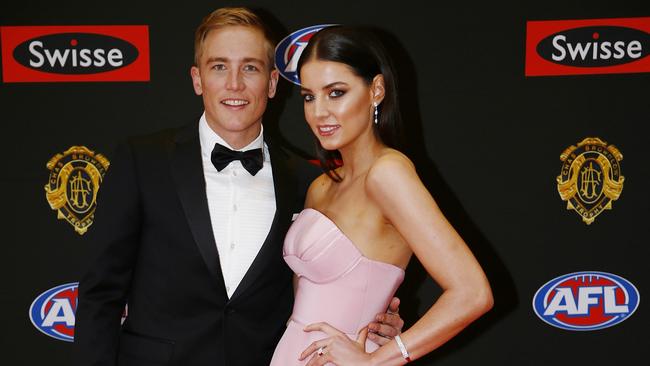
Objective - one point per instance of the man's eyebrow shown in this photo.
(226, 59)
(254, 59)
(216, 59)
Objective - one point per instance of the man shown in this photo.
(190, 223)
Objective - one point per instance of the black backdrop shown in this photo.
(486, 141)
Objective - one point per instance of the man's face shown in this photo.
(235, 80)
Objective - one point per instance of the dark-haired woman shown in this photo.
(365, 218)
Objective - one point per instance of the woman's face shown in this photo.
(338, 103)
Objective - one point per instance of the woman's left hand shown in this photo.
(337, 348)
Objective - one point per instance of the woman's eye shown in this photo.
(307, 97)
(336, 93)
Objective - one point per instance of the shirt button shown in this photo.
(234, 207)
(234, 172)
(227, 288)
(232, 245)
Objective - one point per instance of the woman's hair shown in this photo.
(359, 49)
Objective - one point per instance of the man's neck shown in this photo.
(238, 139)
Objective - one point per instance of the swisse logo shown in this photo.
(288, 51)
(75, 53)
(52, 312)
(584, 301)
(595, 46)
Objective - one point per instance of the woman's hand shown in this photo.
(337, 348)
(387, 325)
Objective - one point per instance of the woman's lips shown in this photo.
(327, 130)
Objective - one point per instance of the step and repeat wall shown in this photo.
(526, 121)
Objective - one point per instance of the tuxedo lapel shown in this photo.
(285, 185)
(187, 170)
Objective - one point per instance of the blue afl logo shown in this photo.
(288, 51)
(53, 311)
(586, 301)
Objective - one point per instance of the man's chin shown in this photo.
(235, 126)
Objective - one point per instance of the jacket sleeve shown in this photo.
(114, 237)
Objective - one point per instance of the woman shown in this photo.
(365, 218)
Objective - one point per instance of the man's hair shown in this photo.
(225, 17)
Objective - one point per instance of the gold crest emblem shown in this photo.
(75, 177)
(590, 178)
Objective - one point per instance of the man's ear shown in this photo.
(196, 80)
(273, 82)
(378, 89)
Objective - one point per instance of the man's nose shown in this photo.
(234, 80)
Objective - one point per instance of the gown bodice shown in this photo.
(337, 284)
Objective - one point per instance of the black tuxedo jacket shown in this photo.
(156, 251)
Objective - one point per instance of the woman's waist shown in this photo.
(348, 309)
(300, 323)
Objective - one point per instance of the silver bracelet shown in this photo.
(402, 348)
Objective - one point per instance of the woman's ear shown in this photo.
(378, 89)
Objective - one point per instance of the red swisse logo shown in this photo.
(591, 46)
(75, 53)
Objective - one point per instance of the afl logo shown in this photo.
(288, 51)
(586, 301)
(53, 311)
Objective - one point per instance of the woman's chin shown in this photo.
(329, 145)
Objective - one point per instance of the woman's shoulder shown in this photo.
(389, 162)
(317, 189)
(390, 169)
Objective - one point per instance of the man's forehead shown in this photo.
(236, 35)
(236, 43)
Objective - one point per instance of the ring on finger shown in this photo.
(320, 351)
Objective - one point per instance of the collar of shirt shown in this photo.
(208, 138)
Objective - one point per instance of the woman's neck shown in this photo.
(359, 155)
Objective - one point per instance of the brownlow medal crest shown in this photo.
(591, 178)
(75, 177)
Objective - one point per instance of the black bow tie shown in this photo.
(252, 160)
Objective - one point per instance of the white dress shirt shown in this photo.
(241, 206)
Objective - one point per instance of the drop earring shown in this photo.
(376, 112)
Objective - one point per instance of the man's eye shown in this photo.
(250, 68)
(307, 98)
(336, 93)
(219, 67)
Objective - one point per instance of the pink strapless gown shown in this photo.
(337, 285)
